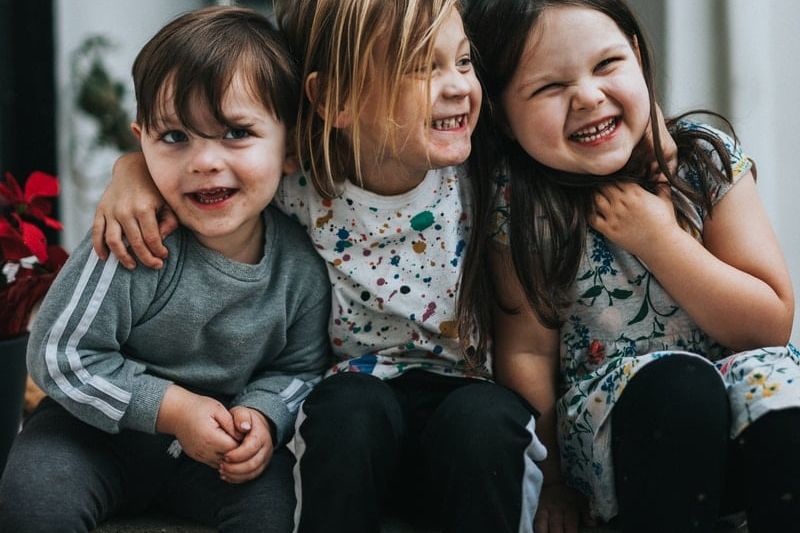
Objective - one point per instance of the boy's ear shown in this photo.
(137, 130)
(342, 119)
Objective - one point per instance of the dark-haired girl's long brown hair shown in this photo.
(549, 209)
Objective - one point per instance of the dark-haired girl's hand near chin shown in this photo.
(132, 216)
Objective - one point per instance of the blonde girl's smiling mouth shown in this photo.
(596, 133)
(452, 123)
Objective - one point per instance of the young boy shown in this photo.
(212, 354)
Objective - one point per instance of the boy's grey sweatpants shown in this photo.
(64, 475)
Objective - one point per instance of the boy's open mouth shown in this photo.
(212, 196)
(451, 123)
(596, 132)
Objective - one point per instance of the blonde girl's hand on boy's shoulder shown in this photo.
(202, 425)
(128, 215)
(248, 460)
(635, 219)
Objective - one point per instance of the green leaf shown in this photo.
(594, 292)
(641, 314)
(621, 294)
(589, 274)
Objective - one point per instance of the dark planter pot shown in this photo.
(12, 391)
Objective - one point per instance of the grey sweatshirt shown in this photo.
(107, 342)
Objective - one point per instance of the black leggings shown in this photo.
(673, 459)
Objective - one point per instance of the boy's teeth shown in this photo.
(448, 123)
(212, 196)
(592, 133)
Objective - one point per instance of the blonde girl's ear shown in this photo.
(291, 161)
(137, 130)
(341, 119)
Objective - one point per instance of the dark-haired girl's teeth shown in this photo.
(594, 133)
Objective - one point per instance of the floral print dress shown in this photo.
(621, 320)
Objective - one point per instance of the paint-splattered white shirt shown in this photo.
(394, 264)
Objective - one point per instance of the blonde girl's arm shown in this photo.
(127, 215)
(526, 360)
(735, 285)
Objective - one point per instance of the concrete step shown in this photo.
(161, 523)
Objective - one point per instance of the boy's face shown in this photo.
(218, 186)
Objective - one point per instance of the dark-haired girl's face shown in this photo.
(578, 101)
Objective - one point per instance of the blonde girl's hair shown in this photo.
(337, 40)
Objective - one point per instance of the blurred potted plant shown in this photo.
(29, 265)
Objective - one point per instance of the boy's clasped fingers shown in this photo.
(234, 472)
(250, 458)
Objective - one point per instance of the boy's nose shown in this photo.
(205, 158)
(587, 95)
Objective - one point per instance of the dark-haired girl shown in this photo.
(650, 293)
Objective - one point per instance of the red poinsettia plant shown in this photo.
(29, 262)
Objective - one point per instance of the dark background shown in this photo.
(27, 87)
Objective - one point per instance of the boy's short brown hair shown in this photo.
(197, 55)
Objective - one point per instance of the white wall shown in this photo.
(129, 24)
(740, 58)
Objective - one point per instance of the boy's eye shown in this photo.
(236, 133)
(174, 136)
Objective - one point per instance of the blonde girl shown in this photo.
(405, 422)
(655, 294)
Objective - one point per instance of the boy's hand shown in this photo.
(128, 212)
(560, 510)
(634, 218)
(202, 425)
(253, 454)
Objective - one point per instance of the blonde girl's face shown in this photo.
(578, 101)
(423, 142)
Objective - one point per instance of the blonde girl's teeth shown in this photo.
(448, 123)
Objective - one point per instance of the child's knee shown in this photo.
(348, 410)
(481, 419)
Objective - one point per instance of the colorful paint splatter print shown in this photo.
(621, 320)
(394, 264)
